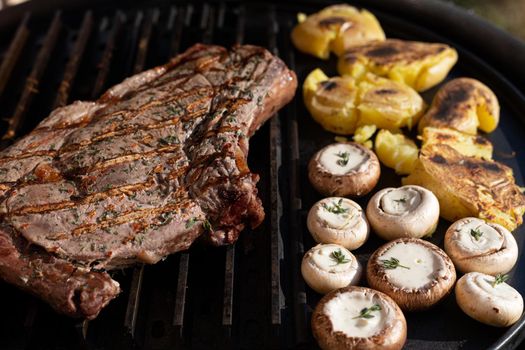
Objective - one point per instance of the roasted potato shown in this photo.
(416, 64)
(363, 134)
(463, 104)
(469, 186)
(396, 151)
(335, 28)
(388, 104)
(341, 104)
(466, 144)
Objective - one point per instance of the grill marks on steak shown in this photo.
(156, 162)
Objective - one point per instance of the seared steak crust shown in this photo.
(156, 162)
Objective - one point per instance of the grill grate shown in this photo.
(97, 43)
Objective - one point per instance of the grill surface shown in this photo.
(249, 295)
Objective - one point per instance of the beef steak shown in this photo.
(159, 160)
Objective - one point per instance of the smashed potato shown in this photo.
(335, 28)
(341, 104)
(469, 186)
(468, 145)
(416, 64)
(463, 104)
(363, 134)
(396, 151)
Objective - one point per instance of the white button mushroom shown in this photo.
(358, 318)
(475, 245)
(344, 169)
(489, 299)
(415, 273)
(326, 267)
(338, 220)
(407, 211)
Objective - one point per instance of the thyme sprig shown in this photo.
(393, 263)
(400, 200)
(476, 233)
(336, 207)
(367, 311)
(500, 278)
(345, 156)
(339, 257)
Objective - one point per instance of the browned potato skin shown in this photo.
(456, 105)
(335, 28)
(469, 186)
(419, 65)
(354, 184)
(330, 340)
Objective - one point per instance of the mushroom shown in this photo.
(338, 220)
(326, 267)
(358, 318)
(344, 169)
(415, 273)
(407, 211)
(489, 299)
(476, 245)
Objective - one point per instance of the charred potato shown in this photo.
(388, 104)
(416, 64)
(468, 145)
(396, 151)
(335, 28)
(468, 186)
(463, 104)
(341, 104)
(331, 101)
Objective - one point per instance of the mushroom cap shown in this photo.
(494, 251)
(353, 179)
(323, 274)
(407, 211)
(349, 229)
(330, 335)
(499, 306)
(440, 273)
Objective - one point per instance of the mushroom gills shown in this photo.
(346, 314)
(418, 265)
(400, 201)
(341, 158)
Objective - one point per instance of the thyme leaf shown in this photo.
(476, 233)
(345, 156)
(393, 263)
(190, 222)
(366, 312)
(400, 200)
(336, 207)
(500, 278)
(339, 257)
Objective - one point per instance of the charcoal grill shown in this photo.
(250, 295)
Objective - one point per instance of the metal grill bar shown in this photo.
(74, 60)
(130, 320)
(105, 61)
(229, 271)
(33, 81)
(184, 257)
(275, 197)
(12, 54)
(295, 232)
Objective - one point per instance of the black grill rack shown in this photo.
(249, 295)
(206, 298)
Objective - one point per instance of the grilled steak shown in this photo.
(156, 162)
